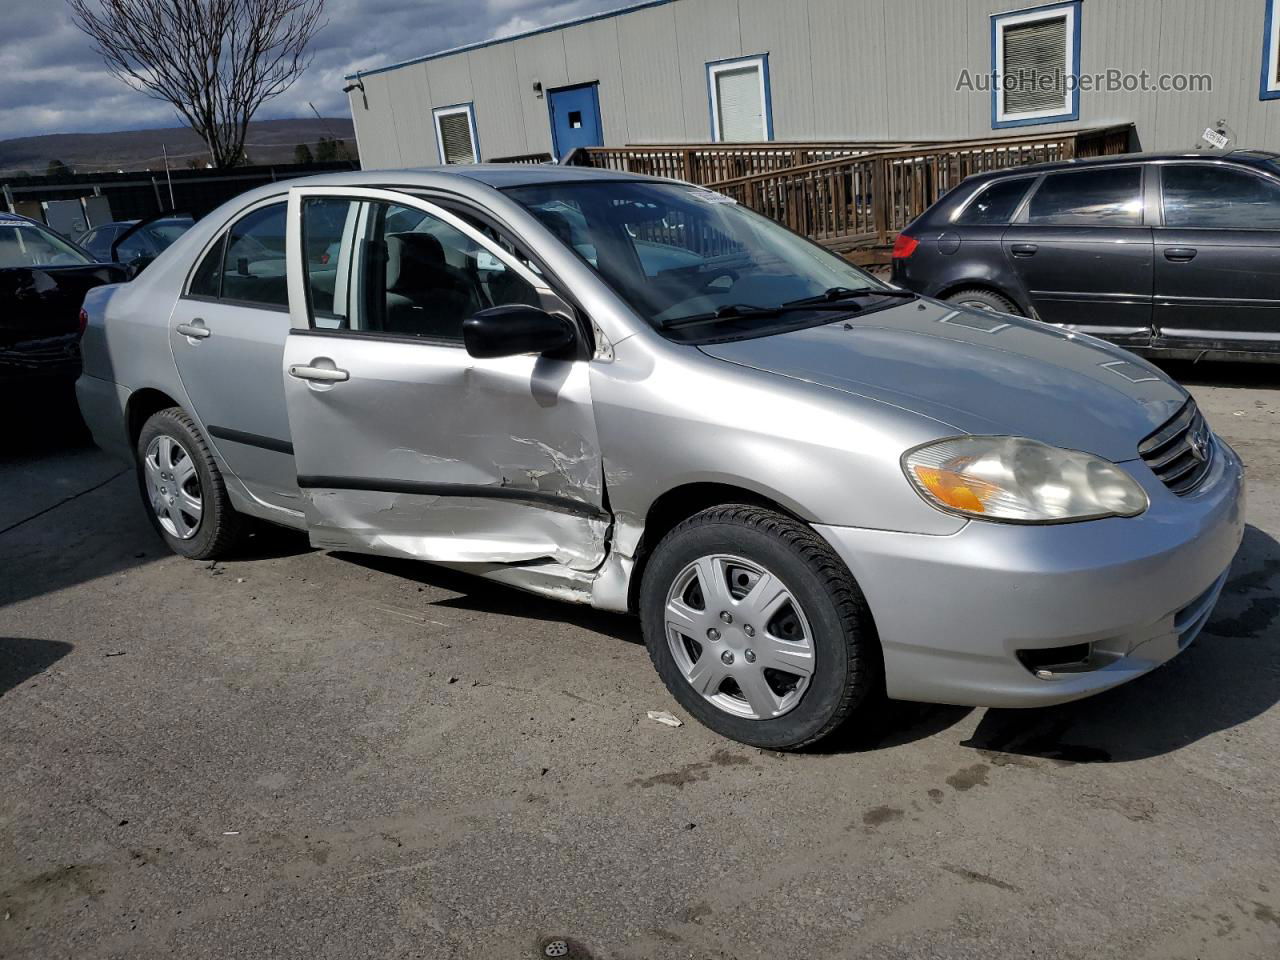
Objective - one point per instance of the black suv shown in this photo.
(1175, 254)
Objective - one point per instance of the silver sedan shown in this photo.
(816, 490)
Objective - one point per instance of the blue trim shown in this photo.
(1263, 92)
(481, 44)
(471, 120)
(551, 118)
(1071, 114)
(768, 93)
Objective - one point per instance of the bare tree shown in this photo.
(216, 61)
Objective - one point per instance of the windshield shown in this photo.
(676, 252)
(167, 231)
(28, 245)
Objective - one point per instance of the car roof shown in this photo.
(1253, 158)
(498, 175)
(176, 218)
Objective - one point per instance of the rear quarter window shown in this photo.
(995, 203)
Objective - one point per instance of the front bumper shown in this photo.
(952, 612)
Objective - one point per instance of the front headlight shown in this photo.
(1016, 480)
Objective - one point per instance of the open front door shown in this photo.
(405, 444)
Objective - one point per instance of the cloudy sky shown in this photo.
(55, 83)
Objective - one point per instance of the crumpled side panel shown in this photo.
(454, 529)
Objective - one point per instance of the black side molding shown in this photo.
(477, 490)
(251, 439)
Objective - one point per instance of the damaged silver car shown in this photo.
(816, 490)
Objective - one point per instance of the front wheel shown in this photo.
(182, 488)
(758, 630)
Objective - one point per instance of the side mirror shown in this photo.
(510, 331)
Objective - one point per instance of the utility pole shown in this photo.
(165, 150)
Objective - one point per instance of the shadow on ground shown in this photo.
(1219, 373)
(49, 421)
(22, 658)
(486, 596)
(1230, 675)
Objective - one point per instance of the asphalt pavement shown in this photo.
(313, 755)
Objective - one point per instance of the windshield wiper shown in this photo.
(836, 294)
(735, 311)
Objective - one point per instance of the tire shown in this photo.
(723, 545)
(984, 300)
(172, 450)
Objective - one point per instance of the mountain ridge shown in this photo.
(268, 141)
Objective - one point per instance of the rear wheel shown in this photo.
(758, 630)
(182, 488)
(978, 299)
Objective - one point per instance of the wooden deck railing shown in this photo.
(711, 162)
(846, 195)
(867, 199)
(523, 158)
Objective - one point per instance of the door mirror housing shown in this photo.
(511, 331)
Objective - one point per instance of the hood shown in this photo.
(980, 373)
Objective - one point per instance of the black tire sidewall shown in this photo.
(997, 301)
(832, 675)
(171, 422)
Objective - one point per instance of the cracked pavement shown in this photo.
(303, 754)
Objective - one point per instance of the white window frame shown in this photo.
(1070, 109)
(714, 69)
(1270, 87)
(440, 113)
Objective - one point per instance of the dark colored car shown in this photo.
(1171, 254)
(135, 242)
(43, 280)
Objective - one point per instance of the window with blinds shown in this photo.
(454, 135)
(1035, 61)
(738, 107)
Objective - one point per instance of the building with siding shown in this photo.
(693, 71)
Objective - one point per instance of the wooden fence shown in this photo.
(523, 158)
(708, 163)
(858, 194)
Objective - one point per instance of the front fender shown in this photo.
(669, 415)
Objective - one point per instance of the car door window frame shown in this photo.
(224, 233)
(302, 319)
(1022, 217)
(1214, 165)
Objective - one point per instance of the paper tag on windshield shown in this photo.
(710, 196)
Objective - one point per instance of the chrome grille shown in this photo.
(1181, 452)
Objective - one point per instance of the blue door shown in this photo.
(575, 118)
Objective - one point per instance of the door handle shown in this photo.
(1023, 249)
(195, 329)
(319, 374)
(1180, 254)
